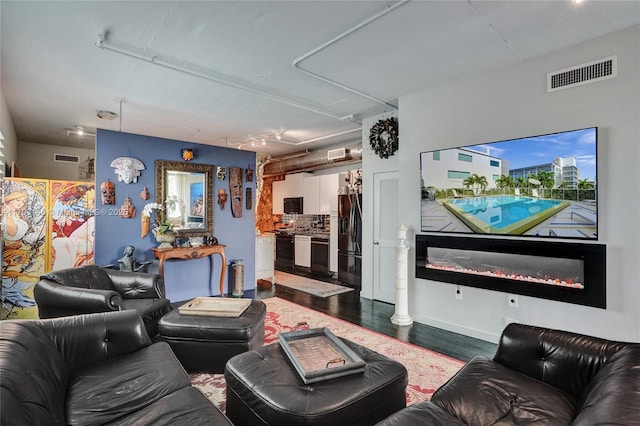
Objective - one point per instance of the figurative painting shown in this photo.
(25, 244)
(72, 224)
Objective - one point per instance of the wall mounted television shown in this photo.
(536, 186)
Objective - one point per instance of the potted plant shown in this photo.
(162, 229)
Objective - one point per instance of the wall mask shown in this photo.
(127, 210)
(249, 173)
(108, 192)
(235, 190)
(222, 198)
(144, 194)
(221, 172)
(127, 169)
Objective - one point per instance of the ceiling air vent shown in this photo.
(336, 154)
(601, 69)
(66, 158)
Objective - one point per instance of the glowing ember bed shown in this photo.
(503, 214)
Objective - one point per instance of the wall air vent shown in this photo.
(601, 69)
(336, 154)
(66, 158)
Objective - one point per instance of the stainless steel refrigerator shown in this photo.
(350, 239)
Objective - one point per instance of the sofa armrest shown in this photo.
(137, 285)
(613, 396)
(560, 358)
(55, 300)
(84, 340)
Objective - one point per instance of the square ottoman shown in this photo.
(264, 389)
(205, 343)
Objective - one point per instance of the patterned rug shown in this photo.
(308, 285)
(428, 370)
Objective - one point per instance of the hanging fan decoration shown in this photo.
(383, 137)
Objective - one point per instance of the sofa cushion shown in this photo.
(484, 392)
(90, 276)
(419, 414)
(187, 406)
(613, 396)
(115, 388)
(33, 376)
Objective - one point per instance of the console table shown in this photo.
(187, 253)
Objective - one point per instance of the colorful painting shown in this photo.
(72, 224)
(25, 244)
(47, 225)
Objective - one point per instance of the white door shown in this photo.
(385, 235)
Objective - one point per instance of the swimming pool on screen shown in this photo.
(503, 214)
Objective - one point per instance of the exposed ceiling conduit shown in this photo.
(186, 67)
(311, 160)
(296, 63)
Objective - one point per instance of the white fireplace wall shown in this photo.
(512, 102)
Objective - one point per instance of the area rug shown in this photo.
(308, 285)
(428, 370)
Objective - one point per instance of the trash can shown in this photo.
(237, 277)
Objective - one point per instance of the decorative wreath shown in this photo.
(383, 137)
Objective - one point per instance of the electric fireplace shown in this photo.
(566, 272)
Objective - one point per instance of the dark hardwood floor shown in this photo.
(376, 315)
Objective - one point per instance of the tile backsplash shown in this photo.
(318, 222)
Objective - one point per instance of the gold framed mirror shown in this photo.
(190, 186)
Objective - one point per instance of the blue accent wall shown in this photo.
(184, 279)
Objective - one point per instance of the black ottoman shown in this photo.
(205, 344)
(264, 389)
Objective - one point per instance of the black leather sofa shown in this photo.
(94, 369)
(538, 376)
(91, 288)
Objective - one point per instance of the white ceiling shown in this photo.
(54, 77)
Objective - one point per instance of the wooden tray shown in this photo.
(317, 355)
(215, 307)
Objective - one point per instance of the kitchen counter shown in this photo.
(312, 234)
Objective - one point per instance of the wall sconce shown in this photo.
(187, 154)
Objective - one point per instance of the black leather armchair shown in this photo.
(94, 369)
(538, 376)
(89, 289)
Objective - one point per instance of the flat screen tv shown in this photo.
(536, 186)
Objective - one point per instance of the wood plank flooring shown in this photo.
(375, 315)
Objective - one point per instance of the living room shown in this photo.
(492, 105)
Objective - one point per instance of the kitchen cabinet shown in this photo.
(264, 257)
(328, 193)
(303, 250)
(321, 194)
(311, 199)
(291, 186)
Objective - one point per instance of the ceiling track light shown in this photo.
(79, 131)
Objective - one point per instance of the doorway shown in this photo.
(385, 231)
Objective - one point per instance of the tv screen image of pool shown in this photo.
(537, 186)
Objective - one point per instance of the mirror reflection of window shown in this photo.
(188, 189)
(190, 185)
